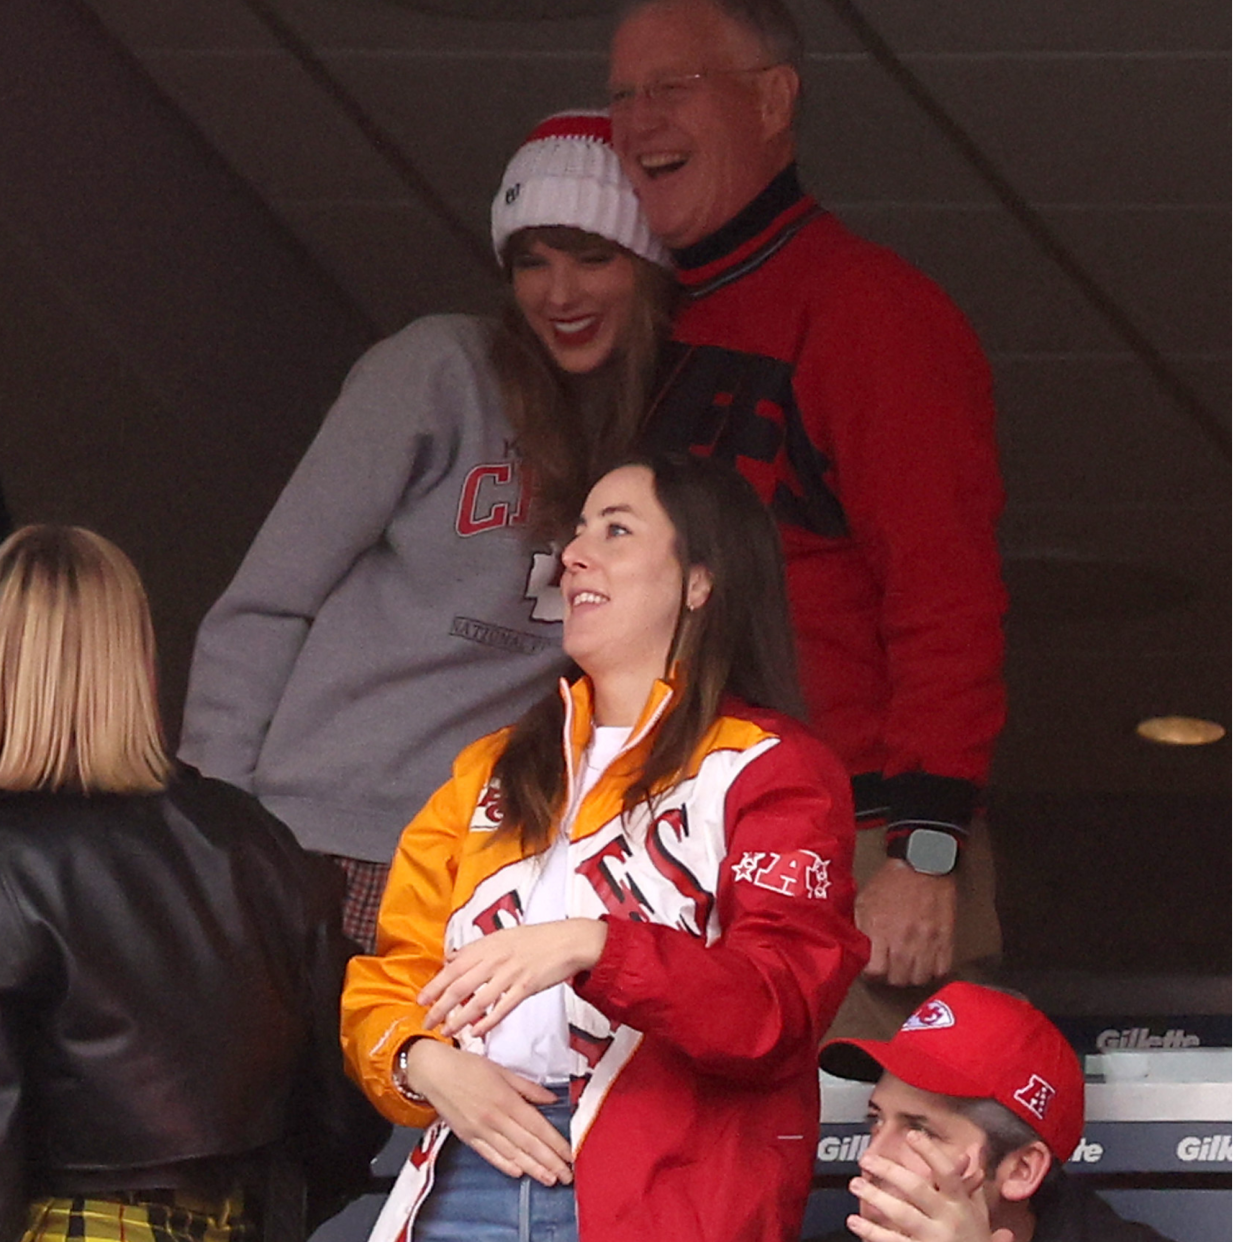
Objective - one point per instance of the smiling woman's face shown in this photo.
(578, 303)
(623, 582)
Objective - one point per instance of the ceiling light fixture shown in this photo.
(1180, 730)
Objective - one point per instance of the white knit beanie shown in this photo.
(567, 173)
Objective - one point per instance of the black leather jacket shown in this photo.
(170, 968)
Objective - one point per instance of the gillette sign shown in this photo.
(1141, 1038)
(841, 1150)
(1212, 1147)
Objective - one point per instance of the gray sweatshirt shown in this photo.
(390, 609)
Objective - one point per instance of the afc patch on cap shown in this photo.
(932, 1015)
(1036, 1095)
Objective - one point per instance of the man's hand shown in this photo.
(909, 918)
(948, 1206)
(487, 979)
(492, 1110)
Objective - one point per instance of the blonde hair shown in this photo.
(77, 667)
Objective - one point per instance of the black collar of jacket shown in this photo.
(781, 193)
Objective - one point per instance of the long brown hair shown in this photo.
(571, 429)
(77, 667)
(740, 643)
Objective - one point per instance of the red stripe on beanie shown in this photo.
(595, 128)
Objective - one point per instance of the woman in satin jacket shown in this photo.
(610, 943)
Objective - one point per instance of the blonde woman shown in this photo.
(164, 946)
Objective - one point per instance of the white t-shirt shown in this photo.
(534, 1039)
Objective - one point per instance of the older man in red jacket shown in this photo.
(853, 395)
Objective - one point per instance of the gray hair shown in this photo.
(1003, 1130)
(770, 21)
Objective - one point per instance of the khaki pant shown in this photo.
(873, 1010)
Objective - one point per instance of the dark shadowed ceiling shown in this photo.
(210, 209)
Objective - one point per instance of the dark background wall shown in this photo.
(208, 211)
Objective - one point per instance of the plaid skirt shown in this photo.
(140, 1216)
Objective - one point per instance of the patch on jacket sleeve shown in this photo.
(799, 873)
(488, 814)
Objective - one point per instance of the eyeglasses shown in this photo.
(669, 92)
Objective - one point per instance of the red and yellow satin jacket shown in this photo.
(730, 946)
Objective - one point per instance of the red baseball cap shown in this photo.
(978, 1043)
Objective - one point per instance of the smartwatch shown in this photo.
(930, 851)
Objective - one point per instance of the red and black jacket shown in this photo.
(854, 396)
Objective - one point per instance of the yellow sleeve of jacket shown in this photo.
(379, 1006)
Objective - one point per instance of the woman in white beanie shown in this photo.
(398, 601)
(593, 299)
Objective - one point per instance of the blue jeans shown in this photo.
(473, 1201)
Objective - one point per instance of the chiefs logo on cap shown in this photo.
(1036, 1095)
(934, 1015)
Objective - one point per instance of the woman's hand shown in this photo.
(492, 1110)
(483, 982)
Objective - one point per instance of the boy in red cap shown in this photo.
(977, 1105)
